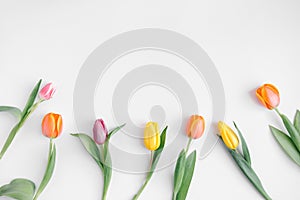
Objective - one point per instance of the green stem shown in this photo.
(188, 145)
(174, 196)
(277, 111)
(49, 156)
(146, 181)
(140, 190)
(104, 195)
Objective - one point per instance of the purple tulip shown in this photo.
(100, 132)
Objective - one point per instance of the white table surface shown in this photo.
(250, 42)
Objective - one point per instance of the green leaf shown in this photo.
(10, 138)
(179, 172)
(295, 135)
(20, 189)
(49, 170)
(287, 144)
(249, 172)
(112, 132)
(155, 159)
(157, 152)
(245, 149)
(26, 112)
(188, 175)
(297, 121)
(32, 97)
(91, 147)
(12, 110)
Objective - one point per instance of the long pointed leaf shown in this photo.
(286, 144)
(20, 189)
(157, 152)
(12, 110)
(49, 171)
(297, 120)
(115, 130)
(91, 147)
(10, 138)
(249, 172)
(188, 175)
(295, 135)
(26, 112)
(179, 171)
(32, 98)
(245, 149)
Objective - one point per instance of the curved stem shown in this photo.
(42, 186)
(146, 181)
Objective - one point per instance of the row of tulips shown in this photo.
(98, 145)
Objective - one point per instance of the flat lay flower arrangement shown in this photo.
(97, 146)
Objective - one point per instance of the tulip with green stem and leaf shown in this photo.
(242, 159)
(98, 148)
(155, 142)
(24, 189)
(45, 93)
(269, 97)
(185, 164)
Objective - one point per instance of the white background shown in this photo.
(250, 42)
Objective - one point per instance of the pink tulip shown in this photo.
(47, 92)
(195, 127)
(100, 132)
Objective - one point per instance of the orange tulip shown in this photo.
(195, 126)
(268, 95)
(52, 125)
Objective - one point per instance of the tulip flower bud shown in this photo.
(47, 92)
(52, 125)
(195, 126)
(100, 132)
(151, 136)
(268, 95)
(229, 137)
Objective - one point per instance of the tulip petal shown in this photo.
(151, 136)
(271, 96)
(195, 126)
(48, 126)
(260, 98)
(47, 92)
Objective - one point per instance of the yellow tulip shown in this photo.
(151, 136)
(229, 137)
